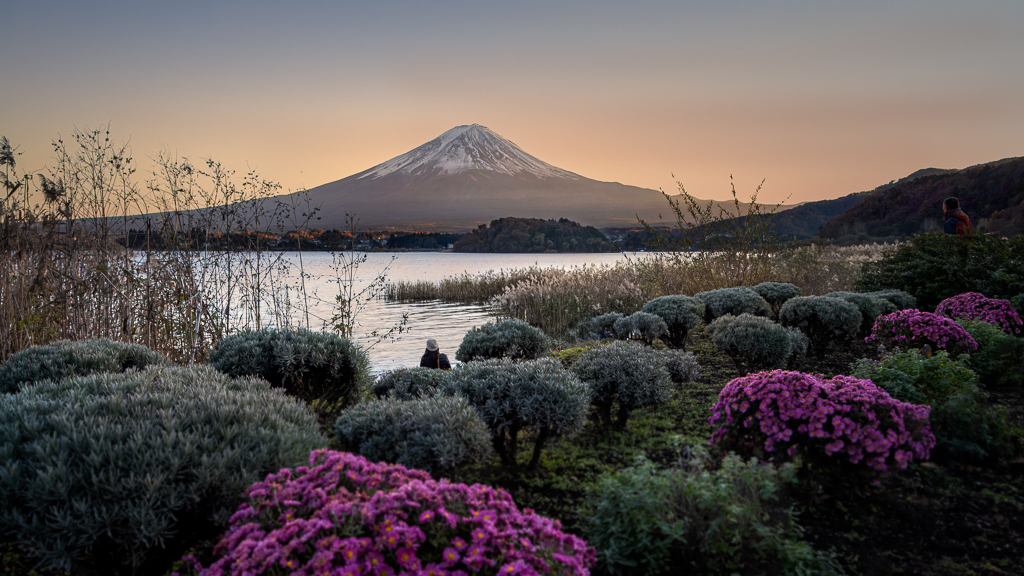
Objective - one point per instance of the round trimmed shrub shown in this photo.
(603, 325)
(682, 366)
(898, 298)
(409, 383)
(66, 358)
(975, 306)
(915, 329)
(326, 371)
(867, 305)
(680, 313)
(510, 396)
(777, 293)
(753, 342)
(624, 373)
(120, 473)
(824, 320)
(435, 433)
(999, 359)
(735, 301)
(799, 342)
(344, 515)
(647, 326)
(781, 413)
(966, 428)
(506, 339)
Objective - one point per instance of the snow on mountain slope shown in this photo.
(466, 148)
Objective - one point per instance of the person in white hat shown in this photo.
(433, 358)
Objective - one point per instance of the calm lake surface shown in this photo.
(448, 323)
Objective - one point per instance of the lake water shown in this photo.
(448, 323)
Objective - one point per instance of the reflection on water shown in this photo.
(448, 323)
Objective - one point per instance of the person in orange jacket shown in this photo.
(956, 221)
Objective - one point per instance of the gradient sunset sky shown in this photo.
(819, 98)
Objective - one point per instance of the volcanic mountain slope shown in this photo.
(470, 175)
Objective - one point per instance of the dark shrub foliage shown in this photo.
(966, 428)
(682, 366)
(120, 473)
(999, 360)
(409, 383)
(735, 301)
(898, 298)
(776, 294)
(324, 370)
(436, 433)
(824, 320)
(65, 358)
(869, 307)
(514, 235)
(696, 518)
(604, 325)
(538, 395)
(506, 339)
(933, 267)
(626, 374)
(680, 313)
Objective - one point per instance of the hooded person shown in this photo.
(433, 358)
(956, 222)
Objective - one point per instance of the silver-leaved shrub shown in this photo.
(870, 307)
(540, 396)
(409, 383)
(505, 339)
(735, 301)
(642, 326)
(603, 325)
(66, 358)
(824, 320)
(323, 369)
(682, 366)
(436, 433)
(777, 293)
(898, 298)
(680, 313)
(120, 473)
(753, 342)
(626, 375)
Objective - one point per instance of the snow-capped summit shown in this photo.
(466, 148)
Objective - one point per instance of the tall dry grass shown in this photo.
(78, 262)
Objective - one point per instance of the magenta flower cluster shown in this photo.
(976, 306)
(913, 329)
(839, 417)
(344, 515)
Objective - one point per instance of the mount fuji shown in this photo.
(470, 175)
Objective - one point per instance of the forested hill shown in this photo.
(508, 235)
(991, 194)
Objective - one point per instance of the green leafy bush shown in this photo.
(898, 298)
(777, 293)
(934, 266)
(65, 358)
(680, 313)
(120, 473)
(436, 433)
(505, 339)
(409, 383)
(697, 519)
(824, 320)
(999, 360)
(325, 370)
(538, 395)
(735, 301)
(604, 325)
(965, 427)
(754, 343)
(868, 306)
(626, 374)
(682, 366)
(646, 326)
